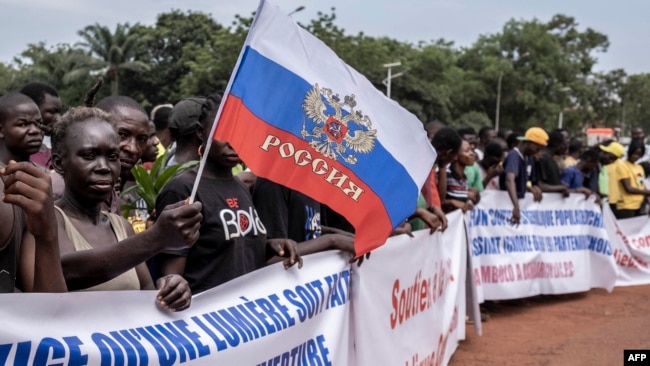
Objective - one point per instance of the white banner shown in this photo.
(269, 317)
(561, 246)
(409, 299)
(630, 240)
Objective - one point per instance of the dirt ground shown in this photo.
(590, 328)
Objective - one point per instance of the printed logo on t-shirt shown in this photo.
(238, 222)
(312, 223)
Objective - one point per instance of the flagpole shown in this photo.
(225, 96)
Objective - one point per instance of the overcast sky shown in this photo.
(462, 21)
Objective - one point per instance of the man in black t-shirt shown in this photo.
(287, 213)
(232, 240)
(549, 174)
(290, 214)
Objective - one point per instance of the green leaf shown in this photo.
(165, 176)
(128, 190)
(126, 208)
(161, 161)
(173, 171)
(145, 189)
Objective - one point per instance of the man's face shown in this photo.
(488, 136)
(133, 129)
(151, 152)
(590, 165)
(21, 130)
(567, 138)
(532, 149)
(50, 109)
(607, 158)
(638, 134)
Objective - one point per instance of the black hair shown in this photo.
(607, 142)
(10, 100)
(78, 115)
(434, 124)
(466, 131)
(493, 149)
(504, 133)
(161, 116)
(484, 130)
(209, 107)
(108, 104)
(513, 140)
(575, 145)
(635, 145)
(37, 91)
(447, 139)
(555, 139)
(592, 154)
(646, 167)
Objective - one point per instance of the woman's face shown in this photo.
(223, 154)
(635, 155)
(91, 160)
(466, 154)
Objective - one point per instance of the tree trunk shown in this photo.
(115, 87)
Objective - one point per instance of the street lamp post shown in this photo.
(496, 119)
(300, 8)
(391, 76)
(498, 109)
(560, 117)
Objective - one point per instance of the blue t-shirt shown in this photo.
(572, 177)
(521, 167)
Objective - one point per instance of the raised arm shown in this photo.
(177, 227)
(30, 188)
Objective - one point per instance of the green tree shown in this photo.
(116, 52)
(211, 66)
(605, 98)
(177, 47)
(51, 65)
(635, 95)
(544, 68)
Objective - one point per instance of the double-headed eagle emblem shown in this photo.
(333, 134)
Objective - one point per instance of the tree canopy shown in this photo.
(544, 68)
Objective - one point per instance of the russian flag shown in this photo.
(298, 115)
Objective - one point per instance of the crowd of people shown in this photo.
(62, 175)
(537, 162)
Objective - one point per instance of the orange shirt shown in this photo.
(430, 190)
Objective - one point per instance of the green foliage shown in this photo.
(150, 183)
(189, 54)
(115, 51)
(635, 104)
(473, 119)
(545, 68)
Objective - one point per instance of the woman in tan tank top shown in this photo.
(86, 151)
